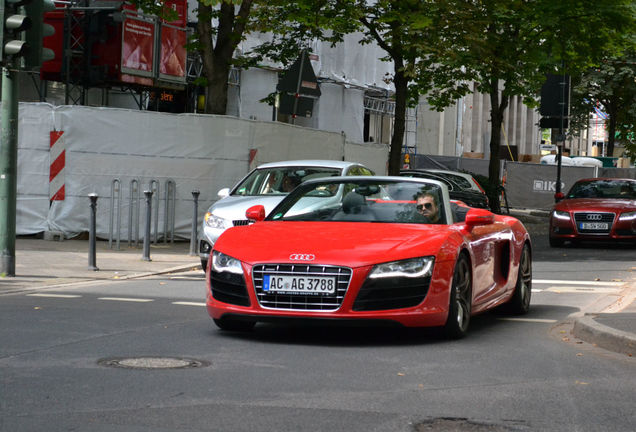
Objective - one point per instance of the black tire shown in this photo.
(460, 304)
(519, 303)
(229, 324)
(555, 242)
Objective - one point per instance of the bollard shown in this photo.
(169, 209)
(148, 194)
(194, 235)
(92, 251)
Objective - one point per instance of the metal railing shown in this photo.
(115, 208)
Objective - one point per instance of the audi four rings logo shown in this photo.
(594, 217)
(302, 257)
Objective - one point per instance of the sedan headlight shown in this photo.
(629, 216)
(411, 268)
(225, 263)
(557, 214)
(214, 221)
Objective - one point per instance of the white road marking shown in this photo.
(189, 278)
(125, 299)
(531, 320)
(582, 290)
(54, 295)
(574, 282)
(184, 303)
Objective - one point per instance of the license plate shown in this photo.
(594, 226)
(313, 285)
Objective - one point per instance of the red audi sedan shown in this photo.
(595, 209)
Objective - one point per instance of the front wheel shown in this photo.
(520, 302)
(460, 305)
(555, 242)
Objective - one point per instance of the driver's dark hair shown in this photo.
(422, 194)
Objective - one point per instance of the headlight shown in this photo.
(214, 221)
(411, 268)
(630, 216)
(225, 263)
(557, 214)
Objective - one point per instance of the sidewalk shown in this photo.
(44, 264)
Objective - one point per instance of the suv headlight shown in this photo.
(225, 263)
(557, 214)
(214, 221)
(629, 216)
(410, 268)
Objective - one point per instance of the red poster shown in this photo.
(173, 52)
(181, 8)
(137, 46)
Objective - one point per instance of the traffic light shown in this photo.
(13, 23)
(37, 54)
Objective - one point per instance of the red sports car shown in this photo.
(380, 249)
(595, 209)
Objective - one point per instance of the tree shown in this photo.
(506, 47)
(612, 84)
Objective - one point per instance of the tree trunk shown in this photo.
(611, 129)
(399, 120)
(496, 119)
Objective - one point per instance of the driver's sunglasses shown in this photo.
(428, 206)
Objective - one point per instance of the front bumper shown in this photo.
(570, 229)
(239, 296)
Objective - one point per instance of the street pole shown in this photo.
(8, 170)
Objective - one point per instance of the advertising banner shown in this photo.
(137, 50)
(172, 60)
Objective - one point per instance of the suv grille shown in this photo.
(607, 218)
(301, 301)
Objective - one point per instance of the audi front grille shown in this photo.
(305, 302)
(607, 218)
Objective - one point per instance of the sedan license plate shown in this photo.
(313, 285)
(594, 226)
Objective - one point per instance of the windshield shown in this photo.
(620, 189)
(364, 201)
(280, 180)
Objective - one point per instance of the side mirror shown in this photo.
(476, 217)
(255, 213)
(558, 196)
(223, 192)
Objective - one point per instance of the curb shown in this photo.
(587, 329)
(177, 269)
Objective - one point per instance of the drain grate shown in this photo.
(152, 362)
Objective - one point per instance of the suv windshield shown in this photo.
(280, 180)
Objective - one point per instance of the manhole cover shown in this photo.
(152, 362)
(458, 425)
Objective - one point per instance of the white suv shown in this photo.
(267, 185)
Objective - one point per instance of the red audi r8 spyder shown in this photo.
(595, 209)
(391, 249)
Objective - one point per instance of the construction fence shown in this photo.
(66, 153)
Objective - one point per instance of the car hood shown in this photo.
(596, 204)
(336, 243)
(233, 207)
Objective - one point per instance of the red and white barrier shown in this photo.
(58, 161)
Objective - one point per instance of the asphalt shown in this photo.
(50, 264)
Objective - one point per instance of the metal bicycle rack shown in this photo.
(169, 210)
(134, 203)
(115, 201)
(153, 186)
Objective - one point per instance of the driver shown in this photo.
(426, 205)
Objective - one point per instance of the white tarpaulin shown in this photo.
(196, 152)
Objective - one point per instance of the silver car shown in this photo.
(267, 185)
